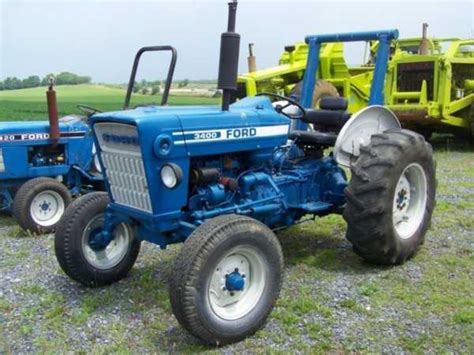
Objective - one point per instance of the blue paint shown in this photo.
(273, 182)
(310, 76)
(25, 156)
(235, 281)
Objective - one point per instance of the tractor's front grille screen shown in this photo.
(410, 77)
(123, 162)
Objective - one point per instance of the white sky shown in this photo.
(99, 37)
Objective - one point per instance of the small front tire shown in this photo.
(226, 279)
(40, 203)
(90, 265)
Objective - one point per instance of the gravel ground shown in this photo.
(330, 301)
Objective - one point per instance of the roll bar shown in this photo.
(169, 78)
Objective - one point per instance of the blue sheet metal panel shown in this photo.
(164, 200)
(153, 122)
(250, 124)
(25, 134)
(79, 151)
(70, 124)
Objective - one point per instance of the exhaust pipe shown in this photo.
(229, 59)
(424, 44)
(251, 60)
(52, 113)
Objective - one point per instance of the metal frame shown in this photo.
(314, 41)
(169, 78)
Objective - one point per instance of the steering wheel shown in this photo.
(88, 110)
(290, 102)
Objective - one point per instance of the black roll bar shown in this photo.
(169, 78)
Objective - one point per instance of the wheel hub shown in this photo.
(99, 239)
(409, 201)
(402, 194)
(104, 249)
(46, 208)
(235, 281)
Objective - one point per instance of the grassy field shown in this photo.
(331, 300)
(30, 104)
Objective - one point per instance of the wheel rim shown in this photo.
(231, 304)
(46, 208)
(409, 201)
(114, 252)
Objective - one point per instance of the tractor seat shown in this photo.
(332, 113)
(313, 138)
(327, 120)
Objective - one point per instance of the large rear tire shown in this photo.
(391, 197)
(322, 89)
(83, 261)
(40, 203)
(226, 279)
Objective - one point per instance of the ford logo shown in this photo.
(118, 139)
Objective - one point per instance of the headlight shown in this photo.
(171, 175)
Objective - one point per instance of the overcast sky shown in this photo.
(99, 37)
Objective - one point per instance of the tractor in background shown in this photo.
(223, 179)
(45, 164)
(429, 82)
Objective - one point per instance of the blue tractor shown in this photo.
(43, 165)
(222, 180)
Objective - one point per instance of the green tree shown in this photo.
(32, 81)
(12, 83)
(155, 89)
(144, 90)
(45, 80)
(1, 85)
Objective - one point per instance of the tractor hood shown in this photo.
(251, 123)
(37, 130)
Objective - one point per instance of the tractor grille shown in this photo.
(123, 162)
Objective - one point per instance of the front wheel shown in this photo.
(40, 203)
(226, 279)
(391, 197)
(81, 252)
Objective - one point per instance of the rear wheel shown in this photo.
(391, 197)
(322, 89)
(226, 279)
(82, 252)
(40, 203)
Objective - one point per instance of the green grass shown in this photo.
(30, 104)
(425, 305)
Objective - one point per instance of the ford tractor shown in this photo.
(223, 179)
(43, 165)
